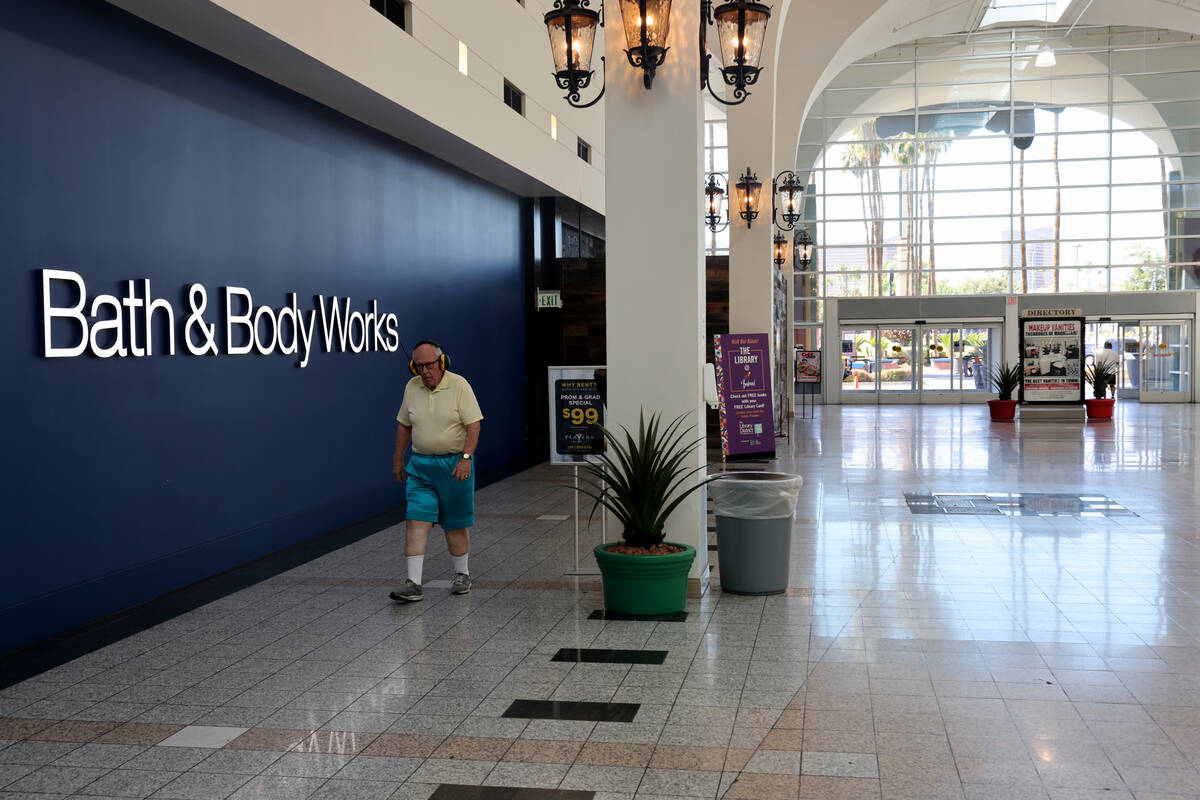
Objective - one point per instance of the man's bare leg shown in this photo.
(416, 537)
(458, 541)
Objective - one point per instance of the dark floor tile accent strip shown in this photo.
(455, 791)
(602, 655)
(674, 616)
(572, 710)
(55, 651)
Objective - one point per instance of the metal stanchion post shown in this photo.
(576, 471)
(577, 570)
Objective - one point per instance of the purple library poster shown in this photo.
(744, 379)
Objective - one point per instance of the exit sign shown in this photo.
(549, 299)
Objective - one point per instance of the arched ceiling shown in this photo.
(817, 39)
(941, 75)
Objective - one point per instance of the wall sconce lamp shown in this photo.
(787, 195)
(780, 249)
(802, 247)
(572, 28)
(714, 199)
(748, 189)
(741, 30)
(647, 23)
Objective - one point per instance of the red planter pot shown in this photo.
(1099, 407)
(1003, 410)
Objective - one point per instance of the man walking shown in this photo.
(1106, 358)
(440, 417)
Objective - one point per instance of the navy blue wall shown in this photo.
(128, 153)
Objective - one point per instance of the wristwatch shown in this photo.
(466, 456)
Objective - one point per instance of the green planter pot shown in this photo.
(645, 585)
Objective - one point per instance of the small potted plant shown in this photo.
(641, 479)
(1005, 380)
(1100, 376)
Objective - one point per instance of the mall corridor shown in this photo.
(938, 640)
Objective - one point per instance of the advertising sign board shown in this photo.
(743, 363)
(577, 404)
(808, 366)
(1052, 360)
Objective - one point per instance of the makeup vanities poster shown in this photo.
(1052, 360)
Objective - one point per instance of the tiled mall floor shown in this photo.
(915, 656)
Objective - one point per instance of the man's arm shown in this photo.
(462, 470)
(403, 437)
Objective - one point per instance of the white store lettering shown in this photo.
(131, 326)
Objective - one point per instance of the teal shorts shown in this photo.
(435, 496)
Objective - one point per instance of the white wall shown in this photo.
(346, 55)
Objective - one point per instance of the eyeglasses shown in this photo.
(426, 365)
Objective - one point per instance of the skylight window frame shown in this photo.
(1013, 12)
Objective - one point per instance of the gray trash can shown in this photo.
(754, 513)
(979, 371)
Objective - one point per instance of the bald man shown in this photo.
(440, 417)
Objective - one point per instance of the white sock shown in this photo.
(460, 563)
(415, 563)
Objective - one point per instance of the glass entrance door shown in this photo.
(1117, 336)
(956, 362)
(860, 364)
(947, 363)
(1165, 361)
(979, 354)
(898, 357)
(1154, 357)
(1129, 373)
(941, 362)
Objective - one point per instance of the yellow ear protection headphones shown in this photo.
(443, 360)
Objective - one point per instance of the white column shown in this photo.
(831, 356)
(751, 128)
(654, 246)
(752, 144)
(1012, 331)
(1193, 334)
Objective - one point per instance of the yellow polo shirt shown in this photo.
(439, 417)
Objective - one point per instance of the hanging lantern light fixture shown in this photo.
(802, 246)
(714, 201)
(780, 249)
(741, 31)
(787, 197)
(748, 189)
(647, 24)
(572, 28)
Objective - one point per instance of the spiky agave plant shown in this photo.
(1100, 376)
(1006, 379)
(641, 479)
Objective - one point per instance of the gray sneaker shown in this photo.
(408, 592)
(461, 583)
